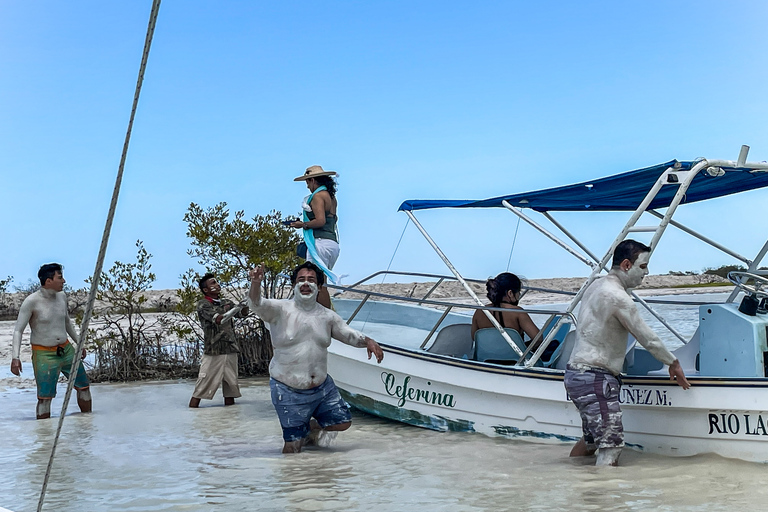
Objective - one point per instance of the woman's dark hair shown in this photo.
(328, 182)
(48, 271)
(311, 266)
(500, 285)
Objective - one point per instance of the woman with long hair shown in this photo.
(504, 292)
(319, 224)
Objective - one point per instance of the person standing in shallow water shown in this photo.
(320, 224)
(607, 315)
(305, 397)
(219, 364)
(45, 311)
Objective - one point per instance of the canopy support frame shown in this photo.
(466, 286)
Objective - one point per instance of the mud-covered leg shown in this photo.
(84, 400)
(293, 446)
(608, 457)
(43, 408)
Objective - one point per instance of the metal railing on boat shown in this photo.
(450, 305)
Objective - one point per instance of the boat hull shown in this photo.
(722, 416)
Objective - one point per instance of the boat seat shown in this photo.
(560, 336)
(566, 347)
(455, 341)
(491, 347)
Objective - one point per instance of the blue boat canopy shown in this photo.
(620, 192)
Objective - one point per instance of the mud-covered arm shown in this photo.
(70, 326)
(345, 334)
(234, 311)
(630, 318)
(25, 313)
(267, 310)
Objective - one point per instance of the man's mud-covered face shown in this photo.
(304, 278)
(55, 283)
(305, 289)
(638, 270)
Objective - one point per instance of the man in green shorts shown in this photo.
(46, 313)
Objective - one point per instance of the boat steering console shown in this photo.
(756, 298)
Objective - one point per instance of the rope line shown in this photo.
(384, 276)
(102, 250)
(514, 240)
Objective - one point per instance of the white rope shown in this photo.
(514, 240)
(384, 276)
(102, 250)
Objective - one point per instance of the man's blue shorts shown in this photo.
(296, 407)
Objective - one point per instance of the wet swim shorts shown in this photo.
(48, 362)
(596, 395)
(296, 407)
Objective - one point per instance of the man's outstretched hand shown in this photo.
(374, 349)
(16, 366)
(257, 274)
(676, 374)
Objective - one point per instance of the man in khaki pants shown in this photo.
(219, 365)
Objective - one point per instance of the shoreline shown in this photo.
(653, 285)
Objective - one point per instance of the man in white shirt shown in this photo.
(592, 378)
(304, 395)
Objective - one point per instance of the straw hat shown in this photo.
(314, 171)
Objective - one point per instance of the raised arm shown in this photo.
(266, 309)
(257, 276)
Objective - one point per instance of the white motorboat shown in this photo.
(435, 375)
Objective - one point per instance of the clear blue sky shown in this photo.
(405, 99)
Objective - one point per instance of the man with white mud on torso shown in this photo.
(607, 315)
(46, 313)
(305, 398)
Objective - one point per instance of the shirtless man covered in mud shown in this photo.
(305, 397)
(592, 377)
(46, 313)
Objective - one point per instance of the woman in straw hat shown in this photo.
(319, 224)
